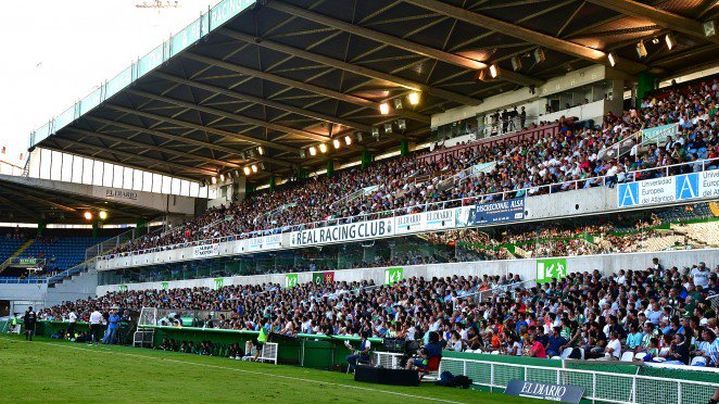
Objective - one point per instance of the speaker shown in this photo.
(395, 377)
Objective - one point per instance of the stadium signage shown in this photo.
(434, 220)
(545, 391)
(112, 193)
(206, 250)
(344, 232)
(669, 189)
(659, 134)
(262, 243)
(496, 212)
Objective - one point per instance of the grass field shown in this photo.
(49, 370)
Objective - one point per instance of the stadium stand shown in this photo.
(659, 313)
(564, 156)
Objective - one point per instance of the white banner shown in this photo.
(434, 220)
(262, 243)
(207, 250)
(345, 232)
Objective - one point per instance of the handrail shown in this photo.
(632, 176)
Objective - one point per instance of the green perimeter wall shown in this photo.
(323, 352)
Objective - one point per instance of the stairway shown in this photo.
(14, 255)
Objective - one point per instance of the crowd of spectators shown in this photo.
(528, 166)
(657, 314)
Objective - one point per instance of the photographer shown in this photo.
(362, 354)
(433, 349)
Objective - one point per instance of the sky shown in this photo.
(55, 52)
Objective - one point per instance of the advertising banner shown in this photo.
(669, 189)
(344, 232)
(433, 220)
(496, 212)
(658, 134)
(291, 280)
(207, 250)
(564, 393)
(262, 243)
(323, 277)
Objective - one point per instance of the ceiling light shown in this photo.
(669, 40)
(254, 168)
(313, 151)
(516, 63)
(493, 71)
(709, 28)
(303, 154)
(402, 124)
(413, 97)
(388, 128)
(323, 148)
(612, 59)
(214, 180)
(103, 215)
(348, 140)
(246, 170)
(222, 177)
(87, 215)
(397, 103)
(539, 55)
(260, 150)
(375, 132)
(336, 143)
(384, 108)
(655, 41)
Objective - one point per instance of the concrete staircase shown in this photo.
(17, 253)
(75, 287)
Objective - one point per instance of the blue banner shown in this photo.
(497, 212)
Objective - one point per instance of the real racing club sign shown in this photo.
(345, 232)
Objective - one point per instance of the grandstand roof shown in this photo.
(27, 200)
(286, 75)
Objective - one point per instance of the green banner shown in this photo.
(165, 285)
(122, 288)
(658, 134)
(393, 275)
(291, 280)
(549, 268)
(317, 277)
(219, 283)
(323, 277)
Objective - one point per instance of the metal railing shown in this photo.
(571, 185)
(599, 386)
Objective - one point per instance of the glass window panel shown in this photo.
(45, 162)
(212, 193)
(97, 171)
(166, 184)
(146, 181)
(156, 183)
(127, 179)
(194, 189)
(184, 188)
(87, 171)
(137, 180)
(76, 169)
(56, 166)
(68, 161)
(118, 176)
(108, 170)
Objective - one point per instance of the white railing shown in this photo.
(598, 385)
(664, 171)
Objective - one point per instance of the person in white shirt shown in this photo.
(613, 351)
(95, 326)
(72, 320)
(700, 275)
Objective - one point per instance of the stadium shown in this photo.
(361, 201)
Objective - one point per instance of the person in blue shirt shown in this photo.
(555, 342)
(113, 321)
(433, 349)
(634, 338)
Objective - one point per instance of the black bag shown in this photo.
(462, 381)
(445, 379)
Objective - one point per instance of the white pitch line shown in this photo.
(253, 372)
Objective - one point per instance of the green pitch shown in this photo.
(48, 370)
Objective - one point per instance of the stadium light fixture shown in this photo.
(303, 154)
(709, 28)
(336, 143)
(384, 108)
(413, 98)
(247, 170)
(669, 40)
(641, 49)
(516, 63)
(494, 71)
(402, 124)
(103, 215)
(375, 132)
(87, 215)
(323, 148)
(539, 56)
(612, 59)
(313, 151)
(388, 128)
(397, 103)
(260, 150)
(214, 180)
(222, 177)
(254, 168)
(348, 140)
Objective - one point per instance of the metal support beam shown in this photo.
(166, 150)
(20, 208)
(351, 99)
(525, 34)
(662, 18)
(263, 101)
(353, 68)
(219, 132)
(25, 194)
(404, 44)
(232, 116)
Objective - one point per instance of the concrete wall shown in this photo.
(526, 268)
